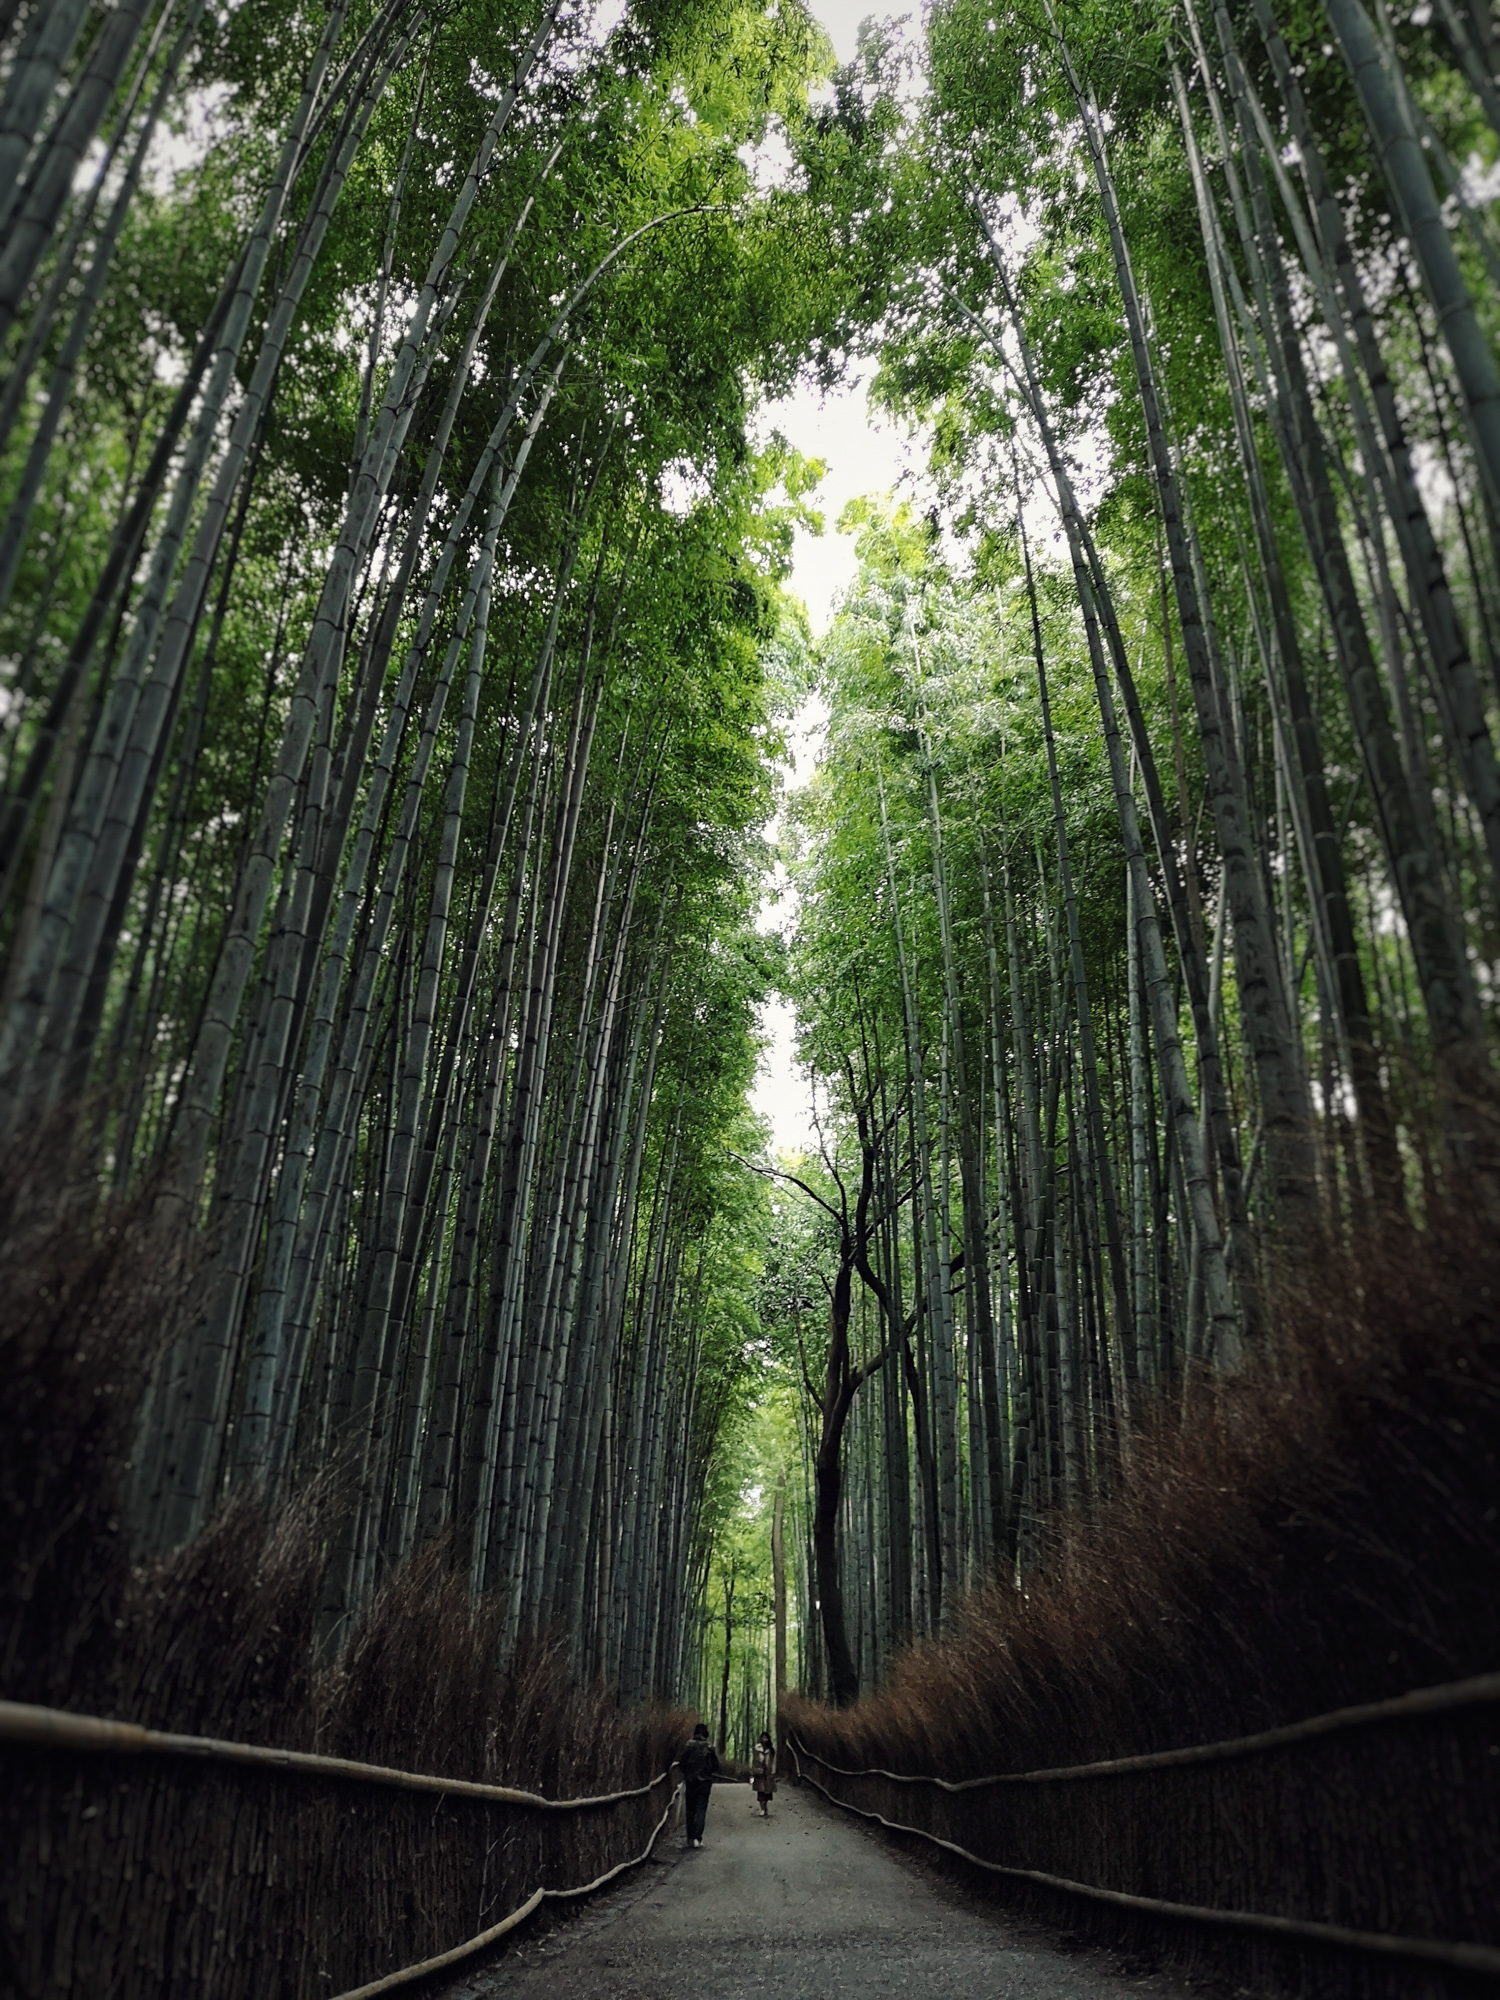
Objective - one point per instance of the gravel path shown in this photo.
(803, 1906)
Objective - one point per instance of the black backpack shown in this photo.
(699, 1760)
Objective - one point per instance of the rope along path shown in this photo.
(533, 1901)
(1476, 1692)
(56, 1729)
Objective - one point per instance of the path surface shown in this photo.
(804, 1906)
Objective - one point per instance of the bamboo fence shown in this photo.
(154, 1863)
(1343, 1852)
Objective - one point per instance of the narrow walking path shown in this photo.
(803, 1906)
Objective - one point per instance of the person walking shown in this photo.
(699, 1761)
(763, 1772)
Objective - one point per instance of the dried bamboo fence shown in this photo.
(241, 1869)
(1338, 1855)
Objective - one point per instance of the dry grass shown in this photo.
(137, 1877)
(88, 1290)
(1323, 1533)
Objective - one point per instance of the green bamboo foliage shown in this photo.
(1189, 600)
(381, 753)
(394, 659)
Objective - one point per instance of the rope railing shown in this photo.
(1476, 1692)
(496, 1931)
(47, 1728)
(58, 1729)
(1477, 1958)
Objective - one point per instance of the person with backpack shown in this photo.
(699, 1761)
(763, 1772)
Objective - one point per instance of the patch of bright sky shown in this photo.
(865, 454)
(181, 143)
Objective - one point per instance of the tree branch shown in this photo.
(780, 1174)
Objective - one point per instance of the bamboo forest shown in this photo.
(459, 776)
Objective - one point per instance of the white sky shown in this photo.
(780, 1093)
(863, 455)
(842, 18)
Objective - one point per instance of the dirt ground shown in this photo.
(803, 1906)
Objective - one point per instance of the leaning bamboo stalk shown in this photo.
(278, 1290)
(326, 636)
(1406, 170)
(396, 1182)
(933, 1263)
(50, 38)
(595, 1203)
(406, 1181)
(1265, 1008)
(28, 233)
(156, 704)
(1333, 925)
(1404, 818)
(213, 1336)
(1160, 1000)
(30, 1010)
(1481, 80)
(1329, 261)
(1087, 1053)
(14, 533)
(1180, 894)
(320, 661)
(124, 550)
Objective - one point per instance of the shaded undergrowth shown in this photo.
(137, 1876)
(1323, 1532)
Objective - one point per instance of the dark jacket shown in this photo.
(699, 1761)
